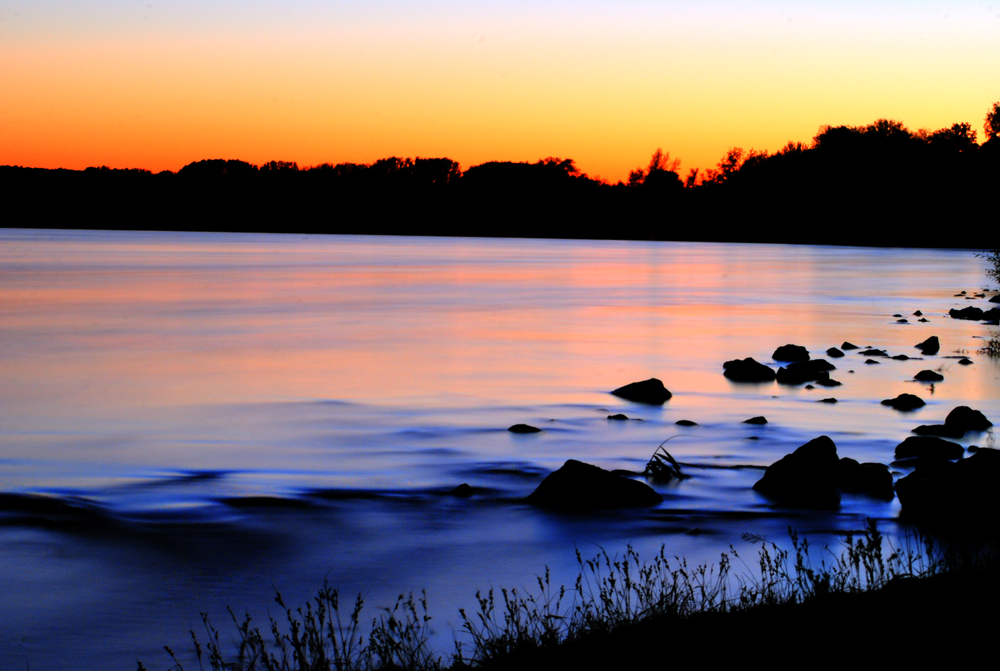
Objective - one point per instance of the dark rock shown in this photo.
(748, 370)
(897, 315)
(827, 381)
(930, 447)
(848, 346)
(809, 387)
(904, 402)
(685, 422)
(805, 371)
(871, 351)
(965, 418)
(834, 353)
(463, 491)
(918, 313)
(960, 493)
(871, 362)
(807, 477)
(618, 418)
(901, 357)
(929, 346)
(965, 362)
(827, 400)
(580, 486)
(971, 313)
(791, 353)
(755, 420)
(991, 315)
(939, 430)
(922, 319)
(995, 299)
(928, 376)
(902, 321)
(869, 478)
(523, 428)
(650, 392)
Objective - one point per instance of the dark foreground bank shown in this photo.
(870, 604)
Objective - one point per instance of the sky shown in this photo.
(155, 84)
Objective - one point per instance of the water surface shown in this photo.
(221, 415)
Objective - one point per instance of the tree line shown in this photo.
(867, 184)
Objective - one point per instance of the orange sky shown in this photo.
(602, 83)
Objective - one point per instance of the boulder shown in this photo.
(971, 313)
(826, 381)
(959, 422)
(756, 421)
(834, 353)
(928, 376)
(807, 477)
(871, 362)
(580, 486)
(904, 402)
(685, 422)
(995, 299)
(960, 493)
(791, 353)
(900, 357)
(848, 346)
(928, 447)
(650, 392)
(747, 370)
(918, 313)
(618, 417)
(929, 346)
(868, 478)
(805, 371)
(523, 428)
(991, 315)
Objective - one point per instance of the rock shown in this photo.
(902, 321)
(965, 362)
(918, 313)
(748, 370)
(618, 418)
(868, 478)
(649, 392)
(848, 346)
(965, 418)
(791, 353)
(995, 299)
(928, 376)
(871, 362)
(827, 381)
(900, 357)
(685, 422)
(756, 421)
(523, 428)
(929, 346)
(928, 447)
(871, 351)
(580, 486)
(463, 491)
(991, 315)
(904, 402)
(827, 400)
(805, 371)
(924, 320)
(971, 313)
(807, 477)
(834, 353)
(956, 494)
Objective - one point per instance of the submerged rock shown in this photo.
(929, 346)
(524, 428)
(868, 478)
(959, 422)
(848, 346)
(928, 376)
(834, 353)
(905, 402)
(928, 447)
(759, 420)
(618, 417)
(807, 477)
(965, 361)
(814, 370)
(748, 370)
(827, 400)
(871, 351)
(791, 353)
(649, 392)
(580, 486)
(685, 422)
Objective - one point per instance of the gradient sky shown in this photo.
(156, 84)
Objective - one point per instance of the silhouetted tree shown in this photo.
(959, 138)
(991, 124)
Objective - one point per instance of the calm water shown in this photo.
(159, 384)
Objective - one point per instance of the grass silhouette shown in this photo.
(611, 595)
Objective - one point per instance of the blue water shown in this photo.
(223, 415)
